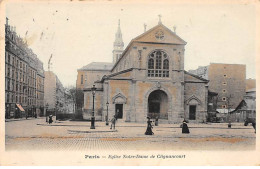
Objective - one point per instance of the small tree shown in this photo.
(77, 97)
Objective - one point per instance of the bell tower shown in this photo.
(118, 44)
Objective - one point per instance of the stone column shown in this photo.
(182, 113)
(105, 99)
(132, 106)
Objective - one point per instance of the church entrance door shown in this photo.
(158, 105)
(192, 115)
(119, 111)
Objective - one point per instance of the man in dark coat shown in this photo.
(185, 128)
(113, 122)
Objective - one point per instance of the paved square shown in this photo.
(36, 134)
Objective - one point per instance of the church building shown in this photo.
(147, 78)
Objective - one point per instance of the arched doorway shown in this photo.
(158, 105)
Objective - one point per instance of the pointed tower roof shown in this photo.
(119, 40)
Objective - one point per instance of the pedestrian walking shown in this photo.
(113, 122)
(50, 119)
(185, 128)
(254, 126)
(149, 127)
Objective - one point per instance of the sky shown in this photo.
(78, 33)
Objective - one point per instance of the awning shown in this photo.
(20, 107)
(224, 111)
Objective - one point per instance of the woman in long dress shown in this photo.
(149, 127)
(185, 128)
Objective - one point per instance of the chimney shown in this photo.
(7, 21)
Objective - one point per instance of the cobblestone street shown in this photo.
(36, 134)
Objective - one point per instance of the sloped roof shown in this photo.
(141, 38)
(225, 111)
(194, 77)
(251, 90)
(174, 38)
(98, 66)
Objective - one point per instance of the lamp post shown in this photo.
(228, 106)
(107, 113)
(47, 105)
(93, 89)
(15, 114)
(7, 111)
(32, 110)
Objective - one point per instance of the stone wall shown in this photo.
(196, 94)
(226, 80)
(88, 105)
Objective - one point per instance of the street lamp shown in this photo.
(107, 113)
(93, 89)
(7, 111)
(47, 105)
(32, 111)
(229, 118)
(15, 114)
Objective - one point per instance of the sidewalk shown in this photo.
(22, 119)
(139, 124)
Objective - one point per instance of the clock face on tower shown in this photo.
(159, 35)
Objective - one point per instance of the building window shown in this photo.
(151, 64)
(224, 90)
(224, 99)
(13, 86)
(8, 58)
(7, 98)
(8, 72)
(8, 84)
(165, 68)
(81, 79)
(158, 64)
(224, 83)
(224, 106)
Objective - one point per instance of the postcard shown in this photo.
(129, 83)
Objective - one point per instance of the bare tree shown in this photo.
(77, 96)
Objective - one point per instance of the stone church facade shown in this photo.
(148, 79)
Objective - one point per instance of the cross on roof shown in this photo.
(174, 28)
(159, 19)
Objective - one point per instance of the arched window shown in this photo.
(81, 79)
(166, 68)
(151, 64)
(158, 64)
